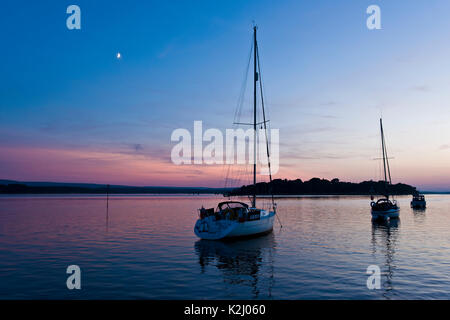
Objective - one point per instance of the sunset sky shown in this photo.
(70, 111)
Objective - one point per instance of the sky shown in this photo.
(70, 111)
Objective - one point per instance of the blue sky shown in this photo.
(66, 101)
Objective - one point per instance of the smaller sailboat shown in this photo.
(418, 201)
(385, 208)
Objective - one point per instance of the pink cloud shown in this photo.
(73, 165)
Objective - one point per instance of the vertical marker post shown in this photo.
(107, 204)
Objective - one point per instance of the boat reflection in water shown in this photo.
(419, 215)
(385, 236)
(243, 263)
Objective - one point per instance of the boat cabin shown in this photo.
(232, 205)
(383, 205)
(232, 210)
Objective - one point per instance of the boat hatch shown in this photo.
(232, 205)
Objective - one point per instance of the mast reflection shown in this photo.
(247, 263)
(384, 239)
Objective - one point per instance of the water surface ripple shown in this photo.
(145, 248)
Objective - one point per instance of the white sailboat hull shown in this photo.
(387, 214)
(210, 229)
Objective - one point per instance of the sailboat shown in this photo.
(233, 219)
(385, 208)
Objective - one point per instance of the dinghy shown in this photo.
(418, 201)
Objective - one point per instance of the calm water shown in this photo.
(146, 249)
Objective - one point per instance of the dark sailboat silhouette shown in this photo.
(385, 208)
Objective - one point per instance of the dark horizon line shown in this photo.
(99, 186)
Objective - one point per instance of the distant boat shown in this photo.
(232, 218)
(385, 208)
(418, 201)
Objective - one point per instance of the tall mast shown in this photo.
(383, 149)
(387, 173)
(255, 79)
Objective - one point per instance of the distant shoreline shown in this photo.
(24, 189)
(317, 186)
(185, 195)
(280, 188)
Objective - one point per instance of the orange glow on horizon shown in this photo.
(109, 167)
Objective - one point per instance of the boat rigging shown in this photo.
(233, 218)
